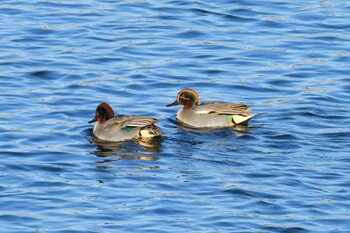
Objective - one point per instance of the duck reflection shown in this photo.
(140, 149)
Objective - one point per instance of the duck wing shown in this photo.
(221, 108)
(122, 121)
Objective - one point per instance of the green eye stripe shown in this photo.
(191, 96)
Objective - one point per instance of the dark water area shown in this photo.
(288, 172)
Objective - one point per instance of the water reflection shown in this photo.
(129, 157)
(141, 149)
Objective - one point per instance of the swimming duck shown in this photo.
(209, 114)
(120, 128)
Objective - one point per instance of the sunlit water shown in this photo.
(288, 172)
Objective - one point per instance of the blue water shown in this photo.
(289, 172)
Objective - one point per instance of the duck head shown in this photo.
(187, 97)
(103, 113)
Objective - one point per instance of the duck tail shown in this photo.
(242, 119)
(149, 131)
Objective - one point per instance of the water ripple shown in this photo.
(287, 172)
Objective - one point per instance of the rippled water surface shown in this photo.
(289, 60)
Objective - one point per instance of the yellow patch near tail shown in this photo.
(239, 119)
(150, 131)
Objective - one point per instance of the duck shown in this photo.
(111, 128)
(209, 114)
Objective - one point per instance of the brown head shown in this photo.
(103, 113)
(187, 97)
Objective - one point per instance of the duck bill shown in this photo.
(92, 121)
(173, 103)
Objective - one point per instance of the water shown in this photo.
(288, 173)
